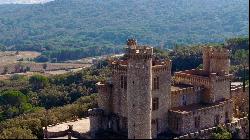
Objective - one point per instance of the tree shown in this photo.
(17, 133)
(42, 58)
(13, 98)
(38, 82)
(242, 57)
(221, 133)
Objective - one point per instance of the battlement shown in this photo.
(213, 52)
(118, 67)
(140, 52)
(131, 42)
(219, 77)
(206, 133)
(189, 109)
(216, 60)
(185, 90)
(185, 78)
(162, 66)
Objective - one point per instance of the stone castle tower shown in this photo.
(139, 95)
(216, 60)
(216, 63)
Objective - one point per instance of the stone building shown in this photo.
(142, 100)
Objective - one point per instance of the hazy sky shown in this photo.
(23, 1)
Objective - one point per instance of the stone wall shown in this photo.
(195, 80)
(159, 116)
(206, 115)
(67, 132)
(242, 123)
(139, 92)
(104, 96)
(219, 87)
(96, 117)
(216, 60)
(192, 96)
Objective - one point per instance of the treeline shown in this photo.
(76, 53)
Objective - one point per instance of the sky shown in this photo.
(23, 1)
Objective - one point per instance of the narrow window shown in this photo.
(226, 117)
(110, 124)
(156, 83)
(155, 103)
(156, 121)
(123, 82)
(184, 100)
(125, 122)
(197, 122)
(217, 119)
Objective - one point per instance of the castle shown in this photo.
(143, 100)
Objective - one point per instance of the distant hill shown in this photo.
(23, 1)
(95, 23)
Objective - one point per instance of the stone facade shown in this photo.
(143, 100)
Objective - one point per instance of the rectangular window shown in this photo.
(197, 122)
(123, 82)
(156, 83)
(217, 119)
(156, 121)
(226, 117)
(184, 100)
(155, 105)
(125, 122)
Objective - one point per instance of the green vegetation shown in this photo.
(23, 101)
(72, 29)
(16, 133)
(221, 133)
(38, 82)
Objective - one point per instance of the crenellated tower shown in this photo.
(216, 60)
(139, 90)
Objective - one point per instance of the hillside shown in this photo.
(23, 1)
(74, 24)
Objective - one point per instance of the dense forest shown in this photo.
(77, 26)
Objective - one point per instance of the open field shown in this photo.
(38, 67)
(9, 57)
